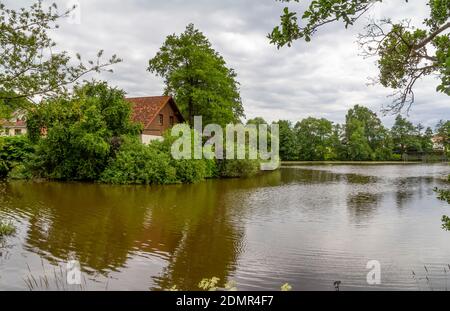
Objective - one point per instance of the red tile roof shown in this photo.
(145, 109)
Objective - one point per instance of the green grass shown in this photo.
(6, 229)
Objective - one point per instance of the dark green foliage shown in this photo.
(136, 163)
(362, 138)
(314, 138)
(443, 130)
(188, 170)
(197, 76)
(83, 132)
(444, 195)
(289, 150)
(406, 137)
(13, 151)
(446, 223)
(238, 168)
(366, 137)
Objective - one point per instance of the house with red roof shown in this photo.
(156, 114)
(15, 126)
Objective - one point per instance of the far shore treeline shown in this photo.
(362, 137)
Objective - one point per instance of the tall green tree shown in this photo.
(337, 142)
(29, 64)
(288, 141)
(426, 140)
(405, 136)
(314, 139)
(198, 78)
(358, 148)
(405, 53)
(366, 135)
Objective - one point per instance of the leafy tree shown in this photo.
(29, 65)
(358, 148)
(257, 121)
(405, 136)
(405, 54)
(197, 76)
(13, 151)
(366, 136)
(314, 139)
(426, 142)
(82, 132)
(288, 141)
(337, 139)
(443, 131)
(444, 195)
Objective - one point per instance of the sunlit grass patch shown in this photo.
(7, 229)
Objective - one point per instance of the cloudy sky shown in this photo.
(323, 78)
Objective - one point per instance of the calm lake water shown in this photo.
(308, 225)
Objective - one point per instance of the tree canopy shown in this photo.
(82, 132)
(198, 78)
(314, 139)
(29, 65)
(362, 137)
(405, 53)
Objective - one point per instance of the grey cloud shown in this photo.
(322, 78)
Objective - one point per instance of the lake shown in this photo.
(307, 225)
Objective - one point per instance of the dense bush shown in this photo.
(83, 132)
(188, 170)
(136, 163)
(13, 151)
(238, 168)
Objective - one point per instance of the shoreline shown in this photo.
(361, 162)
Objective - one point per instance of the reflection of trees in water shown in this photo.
(360, 179)
(362, 205)
(314, 175)
(406, 189)
(195, 227)
(296, 175)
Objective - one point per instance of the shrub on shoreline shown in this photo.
(13, 151)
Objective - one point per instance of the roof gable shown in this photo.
(145, 109)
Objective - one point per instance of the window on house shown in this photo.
(161, 119)
(17, 132)
(171, 120)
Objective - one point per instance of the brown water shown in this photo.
(305, 225)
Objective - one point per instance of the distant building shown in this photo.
(15, 126)
(156, 114)
(438, 143)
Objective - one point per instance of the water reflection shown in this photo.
(362, 205)
(306, 225)
(189, 226)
